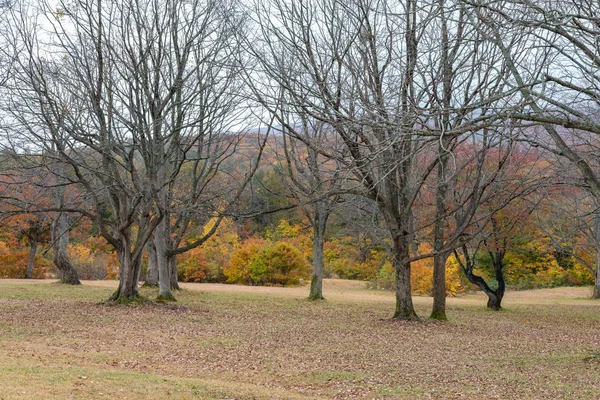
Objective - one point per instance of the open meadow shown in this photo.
(235, 342)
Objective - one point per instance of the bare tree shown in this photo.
(558, 79)
(102, 85)
(364, 68)
(316, 182)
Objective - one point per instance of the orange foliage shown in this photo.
(13, 263)
(192, 265)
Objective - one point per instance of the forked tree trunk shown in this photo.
(60, 242)
(494, 296)
(320, 215)
(499, 274)
(129, 271)
(33, 242)
(151, 278)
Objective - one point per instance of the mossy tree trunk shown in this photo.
(130, 264)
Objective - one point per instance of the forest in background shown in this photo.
(543, 234)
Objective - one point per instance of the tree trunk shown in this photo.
(162, 257)
(596, 293)
(129, 270)
(60, 242)
(499, 274)
(320, 223)
(173, 272)
(33, 242)
(493, 299)
(438, 311)
(404, 305)
(494, 296)
(151, 278)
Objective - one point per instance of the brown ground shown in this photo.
(224, 341)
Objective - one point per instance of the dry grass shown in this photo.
(226, 342)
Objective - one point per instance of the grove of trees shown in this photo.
(427, 146)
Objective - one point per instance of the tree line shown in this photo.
(153, 120)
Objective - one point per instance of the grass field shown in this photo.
(233, 342)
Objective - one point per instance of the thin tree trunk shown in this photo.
(438, 311)
(320, 223)
(60, 242)
(151, 278)
(596, 293)
(33, 242)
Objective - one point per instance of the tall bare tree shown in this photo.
(551, 51)
(113, 89)
(364, 68)
(316, 182)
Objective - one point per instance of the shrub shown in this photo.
(278, 264)
(385, 279)
(88, 263)
(13, 263)
(257, 262)
(192, 266)
(238, 269)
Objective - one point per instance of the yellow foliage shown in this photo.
(257, 262)
(80, 254)
(454, 278)
(238, 270)
(421, 275)
(284, 229)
